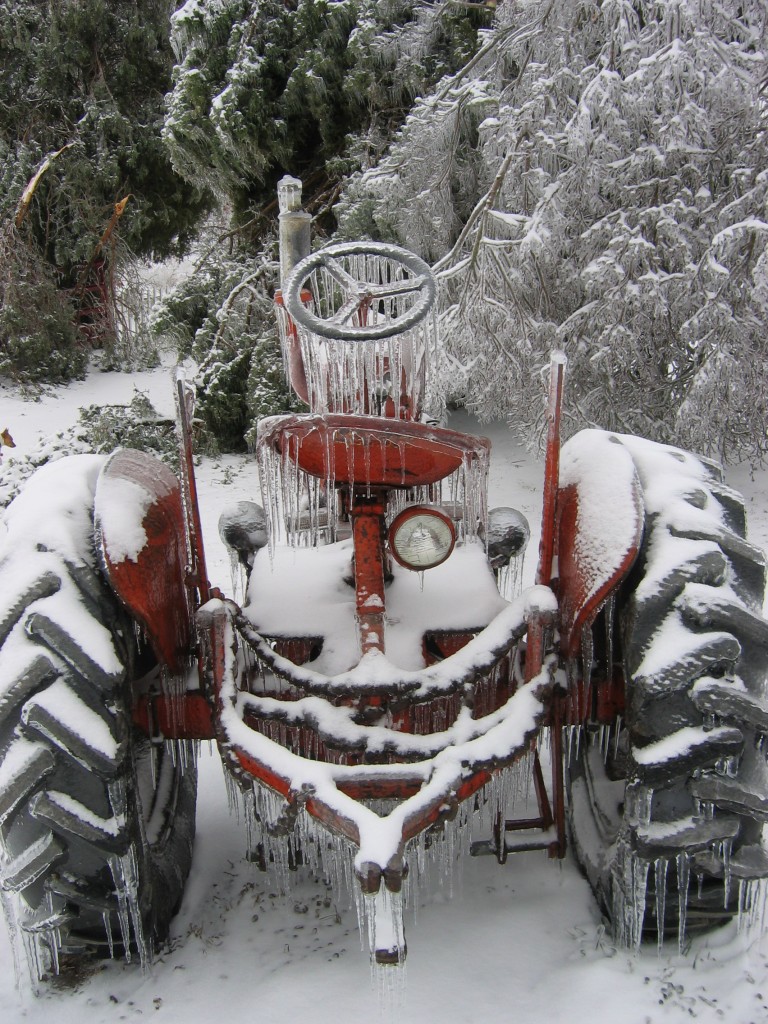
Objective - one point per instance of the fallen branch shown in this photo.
(29, 191)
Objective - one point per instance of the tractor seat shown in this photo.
(371, 450)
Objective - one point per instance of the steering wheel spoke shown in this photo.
(339, 274)
(393, 288)
(348, 310)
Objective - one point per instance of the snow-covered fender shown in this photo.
(600, 516)
(140, 534)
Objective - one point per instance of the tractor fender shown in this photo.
(141, 538)
(599, 528)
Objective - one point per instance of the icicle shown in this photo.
(660, 870)
(742, 904)
(173, 688)
(604, 739)
(53, 932)
(390, 989)
(511, 577)
(638, 800)
(725, 849)
(253, 831)
(683, 880)
(760, 900)
(107, 919)
(130, 871)
(610, 607)
(19, 948)
(616, 736)
(639, 885)
(510, 786)
(752, 905)
(153, 763)
(234, 796)
(386, 936)
(588, 661)
(36, 955)
(568, 743)
(123, 914)
(578, 733)
(629, 894)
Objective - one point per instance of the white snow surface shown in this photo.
(596, 463)
(459, 594)
(75, 715)
(54, 508)
(677, 744)
(124, 504)
(524, 941)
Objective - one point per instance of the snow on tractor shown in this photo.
(376, 691)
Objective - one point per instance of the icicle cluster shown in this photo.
(281, 837)
(125, 875)
(364, 377)
(36, 940)
(304, 511)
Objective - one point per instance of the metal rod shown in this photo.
(558, 774)
(551, 469)
(367, 529)
(542, 798)
(534, 657)
(199, 574)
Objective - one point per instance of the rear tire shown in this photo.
(96, 840)
(667, 818)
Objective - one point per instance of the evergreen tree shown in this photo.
(262, 88)
(223, 316)
(84, 175)
(597, 176)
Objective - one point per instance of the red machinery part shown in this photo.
(371, 450)
(136, 492)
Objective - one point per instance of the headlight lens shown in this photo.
(421, 537)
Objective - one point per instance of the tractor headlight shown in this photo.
(421, 537)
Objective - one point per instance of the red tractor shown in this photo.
(376, 690)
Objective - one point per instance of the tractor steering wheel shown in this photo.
(361, 291)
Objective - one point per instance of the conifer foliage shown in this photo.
(311, 87)
(84, 176)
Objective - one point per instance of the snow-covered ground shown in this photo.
(522, 942)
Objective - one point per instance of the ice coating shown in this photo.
(362, 377)
(360, 292)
